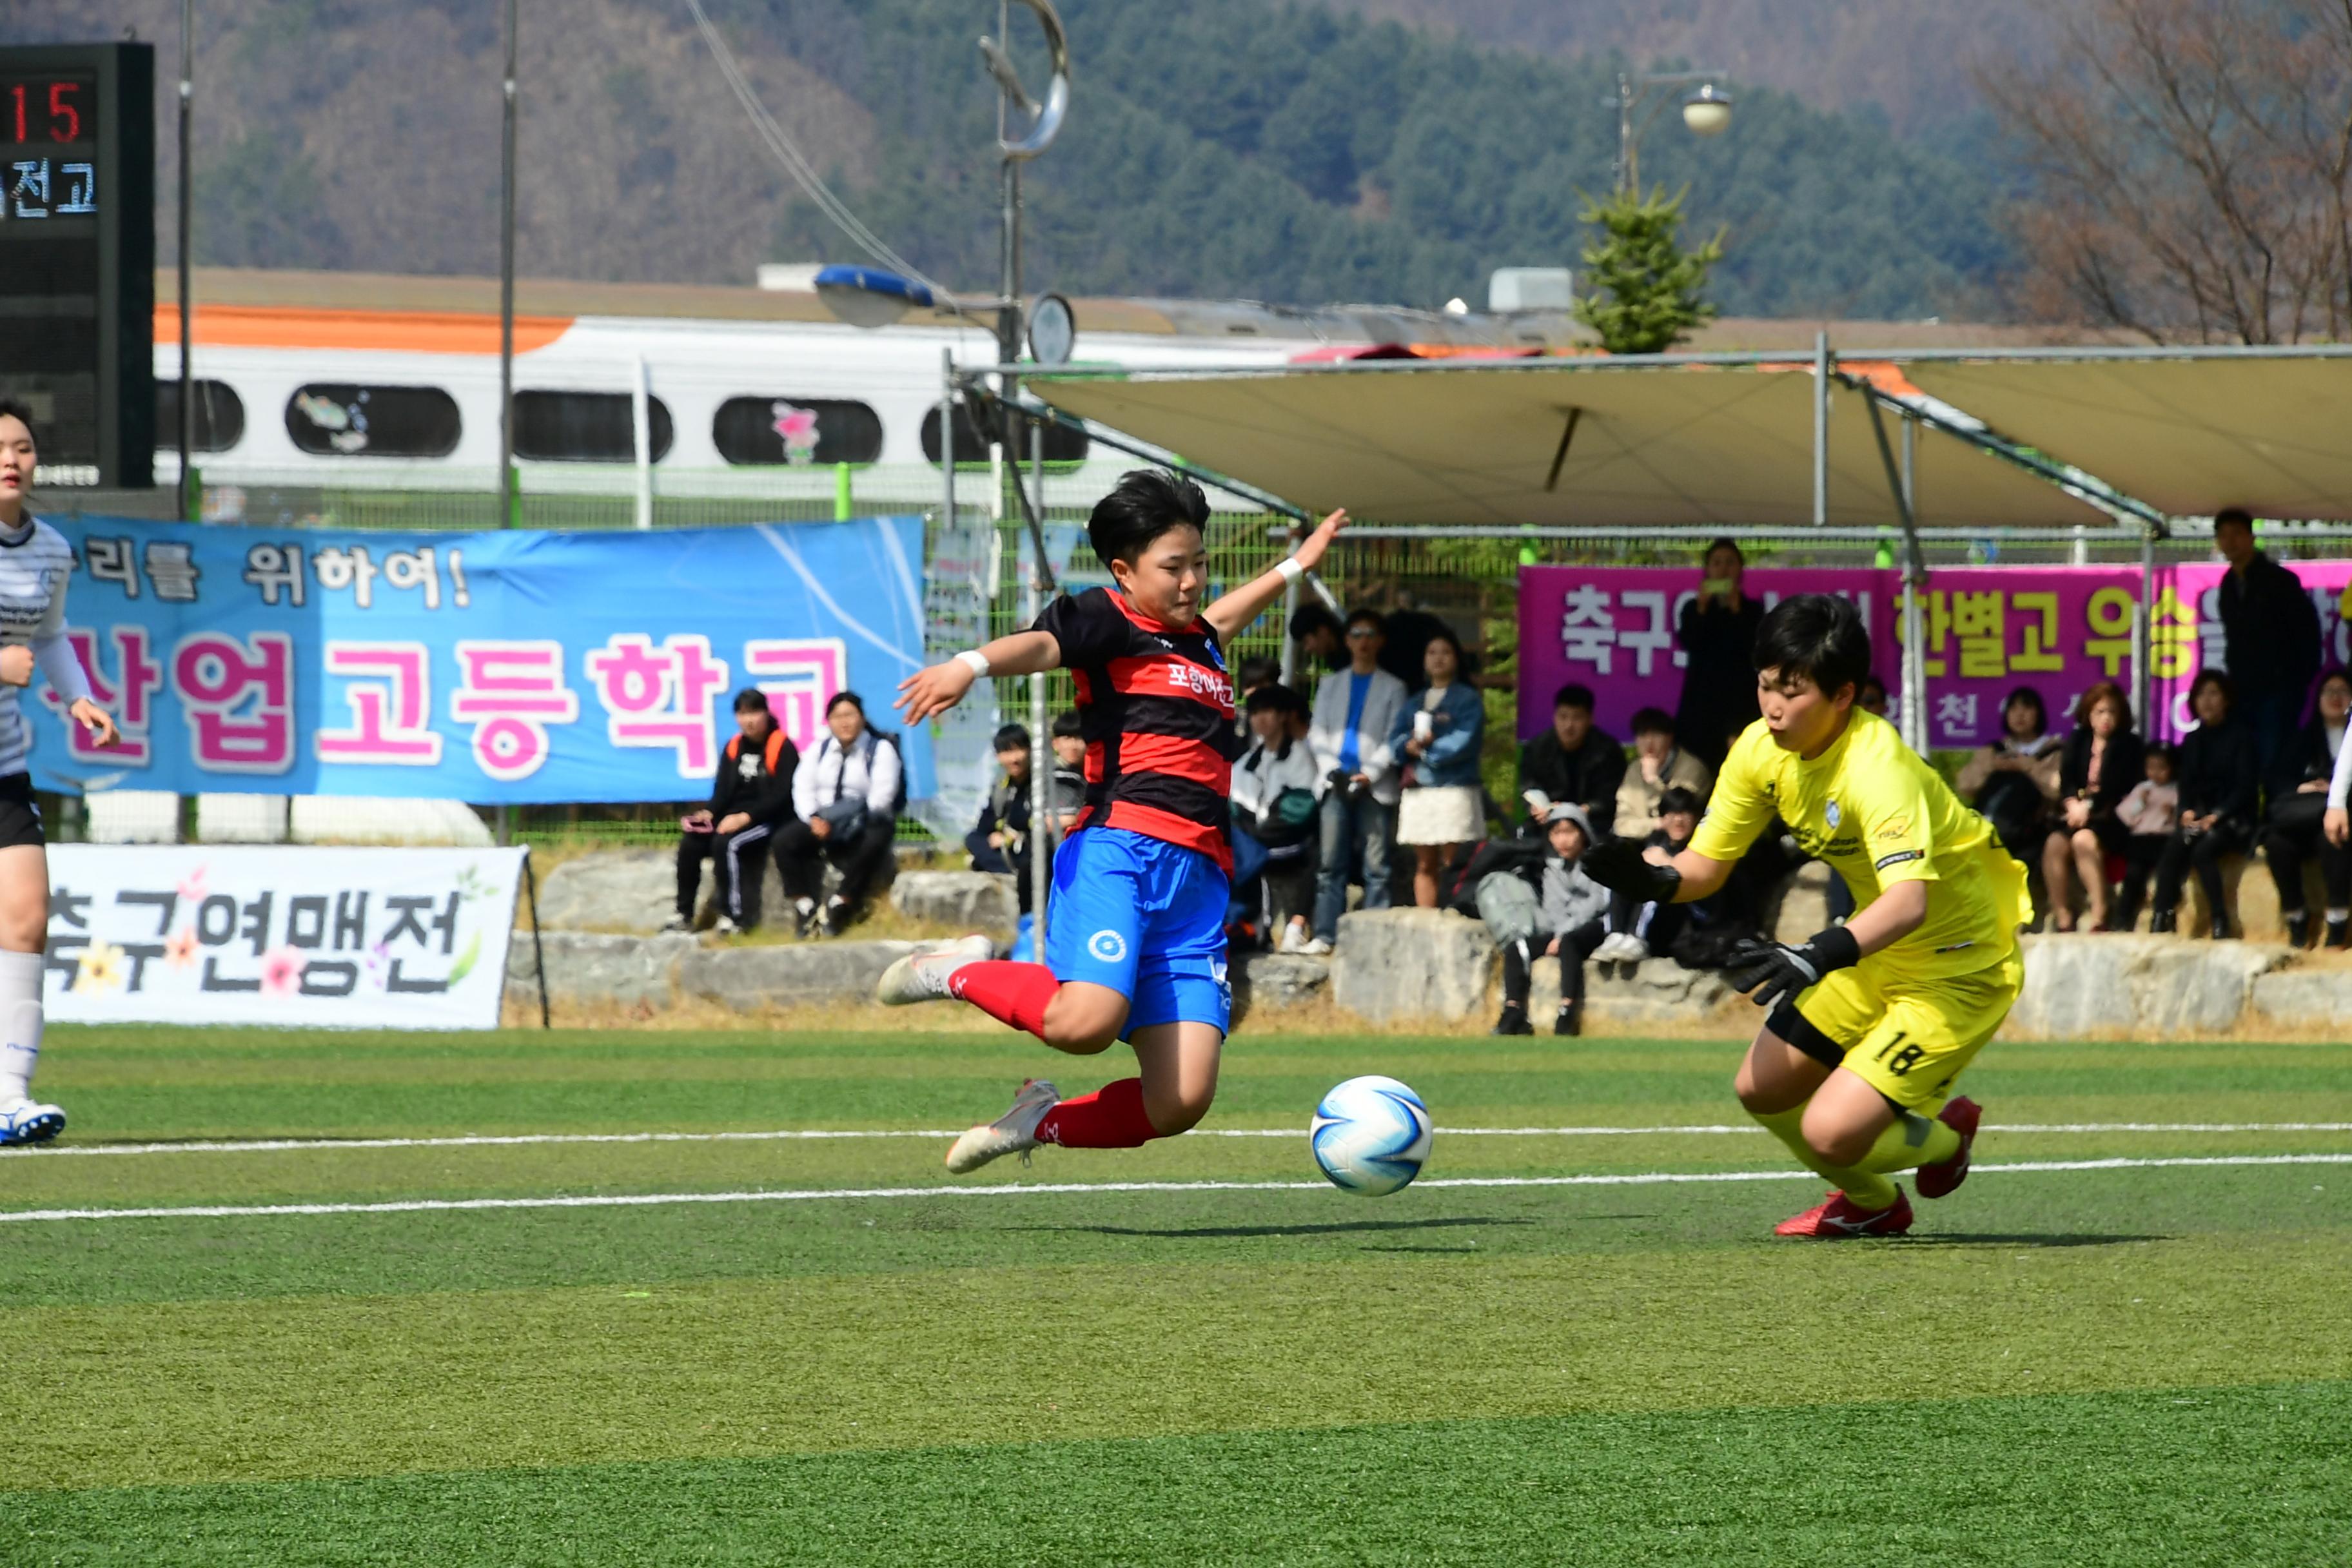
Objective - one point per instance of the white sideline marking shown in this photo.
(1026, 1189)
(278, 1145)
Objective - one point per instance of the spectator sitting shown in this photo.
(1354, 709)
(1438, 734)
(1872, 698)
(1571, 921)
(847, 797)
(751, 795)
(2270, 638)
(1659, 765)
(2219, 792)
(2099, 765)
(1636, 931)
(1316, 631)
(1069, 771)
(1000, 842)
(1276, 785)
(1717, 633)
(2298, 808)
(1575, 759)
(1249, 675)
(2151, 811)
(2012, 781)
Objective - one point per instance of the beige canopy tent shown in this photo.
(1563, 443)
(2190, 435)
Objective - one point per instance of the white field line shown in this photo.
(1026, 1189)
(281, 1146)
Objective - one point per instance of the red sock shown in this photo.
(1013, 993)
(1110, 1117)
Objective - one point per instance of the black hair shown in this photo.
(2220, 678)
(1256, 671)
(1310, 618)
(1724, 543)
(2236, 514)
(1815, 636)
(2031, 698)
(2163, 751)
(1650, 719)
(1575, 694)
(1011, 738)
(1867, 682)
(1679, 799)
(1143, 505)
(1276, 697)
(1461, 660)
(1363, 613)
(1067, 725)
(850, 697)
(750, 700)
(10, 408)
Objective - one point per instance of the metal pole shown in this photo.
(1624, 133)
(1820, 429)
(1290, 643)
(1915, 619)
(507, 497)
(2143, 661)
(1041, 739)
(641, 437)
(191, 487)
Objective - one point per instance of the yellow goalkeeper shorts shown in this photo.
(1907, 1038)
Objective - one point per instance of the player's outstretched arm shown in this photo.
(1624, 866)
(1235, 612)
(59, 664)
(939, 687)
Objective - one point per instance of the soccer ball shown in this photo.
(1371, 1135)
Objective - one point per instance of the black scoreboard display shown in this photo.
(78, 257)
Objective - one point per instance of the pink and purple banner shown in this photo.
(1990, 629)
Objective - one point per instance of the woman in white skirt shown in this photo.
(1438, 733)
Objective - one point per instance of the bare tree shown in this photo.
(2192, 169)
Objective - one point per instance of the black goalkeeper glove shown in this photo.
(1771, 971)
(1617, 864)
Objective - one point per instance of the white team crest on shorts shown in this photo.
(1108, 945)
(1831, 812)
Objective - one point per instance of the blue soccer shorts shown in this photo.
(1145, 918)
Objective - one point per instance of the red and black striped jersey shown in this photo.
(1156, 707)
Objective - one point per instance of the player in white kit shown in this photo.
(34, 562)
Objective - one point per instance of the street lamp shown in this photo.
(1706, 112)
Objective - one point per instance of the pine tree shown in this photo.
(1654, 288)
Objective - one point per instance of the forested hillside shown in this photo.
(1214, 147)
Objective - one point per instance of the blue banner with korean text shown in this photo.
(523, 666)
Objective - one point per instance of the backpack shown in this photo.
(774, 749)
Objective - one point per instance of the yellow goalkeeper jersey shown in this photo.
(1878, 815)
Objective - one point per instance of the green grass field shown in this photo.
(850, 1357)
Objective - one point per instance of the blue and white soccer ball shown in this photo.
(1371, 1135)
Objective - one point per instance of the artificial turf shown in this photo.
(2132, 1364)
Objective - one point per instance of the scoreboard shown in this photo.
(78, 257)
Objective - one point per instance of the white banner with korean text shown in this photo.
(196, 933)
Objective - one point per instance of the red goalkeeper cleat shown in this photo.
(1961, 1114)
(1837, 1218)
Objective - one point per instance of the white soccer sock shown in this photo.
(20, 1023)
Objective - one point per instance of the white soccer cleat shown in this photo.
(923, 976)
(1015, 1132)
(27, 1121)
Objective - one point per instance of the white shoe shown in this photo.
(677, 923)
(29, 1121)
(726, 926)
(1632, 949)
(1294, 939)
(1316, 947)
(1015, 1132)
(923, 976)
(1607, 951)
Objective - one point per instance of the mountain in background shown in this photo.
(1214, 148)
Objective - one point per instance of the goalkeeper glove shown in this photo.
(1770, 971)
(1617, 864)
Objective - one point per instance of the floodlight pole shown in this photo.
(191, 487)
(1630, 89)
(506, 282)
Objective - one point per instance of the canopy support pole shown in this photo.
(2142, 619)
(1821, 429)
(1914, 587)
(1560, 459)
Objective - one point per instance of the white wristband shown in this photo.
(1290, 569)
(977, 660)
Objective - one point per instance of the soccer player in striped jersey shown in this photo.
(1135, 948)
(34, 562)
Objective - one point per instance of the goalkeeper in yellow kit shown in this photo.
(1872, 1021)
